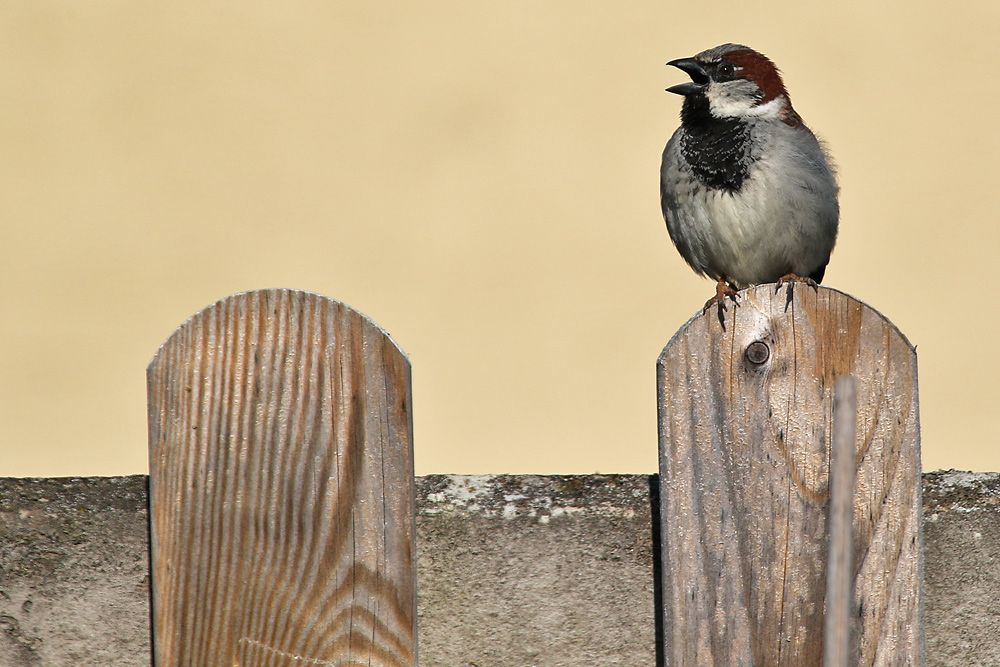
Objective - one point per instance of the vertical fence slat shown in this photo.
(281, 488)
(745, 419)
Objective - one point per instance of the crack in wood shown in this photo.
(285, 654)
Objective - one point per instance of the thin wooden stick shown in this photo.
(839, 577)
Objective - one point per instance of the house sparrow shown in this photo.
(748, 192)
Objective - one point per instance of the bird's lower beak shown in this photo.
(694, 69)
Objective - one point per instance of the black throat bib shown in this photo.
(718, 149)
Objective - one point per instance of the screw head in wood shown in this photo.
(757, 352)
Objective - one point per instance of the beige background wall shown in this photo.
(478, 177)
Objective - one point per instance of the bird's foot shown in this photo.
(793, 278)
(790, 279)
(723, 290)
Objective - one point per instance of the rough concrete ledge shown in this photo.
(531, 570)
(962, 567)
(514, 571)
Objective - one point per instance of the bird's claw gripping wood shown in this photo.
(723, 289)
(790, 279)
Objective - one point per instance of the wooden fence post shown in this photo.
(745, 420)
(281, 488)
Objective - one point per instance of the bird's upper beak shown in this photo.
(694, 69)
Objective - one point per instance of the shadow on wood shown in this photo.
(745, 420)
(281, 488)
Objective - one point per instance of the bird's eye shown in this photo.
(726, 69)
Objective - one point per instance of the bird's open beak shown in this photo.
(694, 69)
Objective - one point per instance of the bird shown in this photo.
(748, 192)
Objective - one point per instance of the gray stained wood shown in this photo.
(745, 419)
(281, 488)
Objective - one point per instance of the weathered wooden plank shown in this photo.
(281, 488)
(745, 417)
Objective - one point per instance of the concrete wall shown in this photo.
(514, 571)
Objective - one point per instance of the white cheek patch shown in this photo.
(726, 103)
(770, 109)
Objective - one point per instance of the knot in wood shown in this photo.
(757, 352)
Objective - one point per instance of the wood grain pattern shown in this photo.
(281, 488)
(745, 417)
